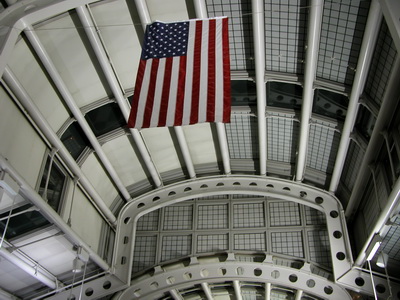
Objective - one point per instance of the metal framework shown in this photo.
(346, 274)
(343, 271)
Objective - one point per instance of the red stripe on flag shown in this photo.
(162, 118)
(181, 91)
(211, 72)
(194, 113)
(148, 110)
(227, 72)
(136, 94)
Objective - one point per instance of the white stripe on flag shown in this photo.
(187, 101)
(143, 94)
(203, 73)
(219, 73)
(173, 92)
(157, 93)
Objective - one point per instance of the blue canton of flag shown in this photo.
(165, 40)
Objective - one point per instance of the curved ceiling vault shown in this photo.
(295, 198)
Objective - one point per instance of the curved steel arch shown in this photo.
(222, 185)
(155, 286)
(119, 278)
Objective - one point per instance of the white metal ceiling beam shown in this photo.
(102, 57)
(391, 10)
(386, 112)
(145, 19)
(51, 136)
(364, 61)
(268, 288)
(207, 290)
(237, 289)
(299, 294)
(313, 37)
(49, 213)
(175, 295)
(259, 58)
(66, 95)
(201, 12)
(7, 296)
(31, 270)
(386, 213)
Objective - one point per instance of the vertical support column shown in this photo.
(238, 292)
(299, 294)
(314, 31)
(259, 57)
(268, 291)
(364, 61)
(207, 290)
(174, 294)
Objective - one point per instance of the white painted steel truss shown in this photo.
(345, 275)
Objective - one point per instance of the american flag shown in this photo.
(184, 75)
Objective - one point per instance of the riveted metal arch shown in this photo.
(222, 185)
(154, 286)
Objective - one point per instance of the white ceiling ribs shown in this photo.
(67, 97)
(390, 99)
(50, 135)
(31, 270)
(364, 61)
(93, 36)
(49, 213)
(313, 36)
(259, 58)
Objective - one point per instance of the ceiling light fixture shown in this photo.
(373, 247)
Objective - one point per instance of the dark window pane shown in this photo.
(330, 104)
(243, 93)
(285, 95)
(105, 119)
(365, 122)
(75, 140)
(55, 185)
(22, 223)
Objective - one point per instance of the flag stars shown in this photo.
(165, 40)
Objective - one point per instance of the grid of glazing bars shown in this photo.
(382, 62)
(352, 164)
(342, 29)
(240, 30)
(285, 35)
(375, 200)
(391, 243)
(282, 138)
(241, 135)
(245, 224)
(323, 144)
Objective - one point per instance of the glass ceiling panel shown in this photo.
(285, 95)
(240, 30)
(330, 104)
(382, 61)
(243, 93)
(75, 140)
(105, 118)
(342, 30)
(285, 35)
